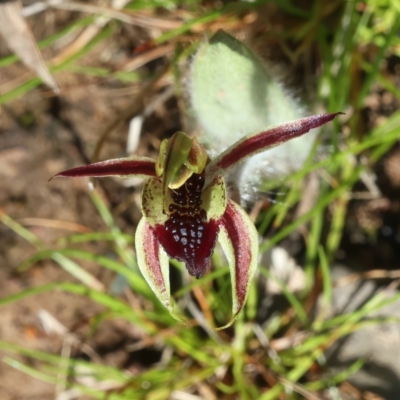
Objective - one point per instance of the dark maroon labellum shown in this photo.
(186, 235)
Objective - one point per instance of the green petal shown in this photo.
(152, 202)
(153, 262)
(239, 241)
(214, 198)
(161, 157)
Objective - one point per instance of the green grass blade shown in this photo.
(28, 370)
(20, 230)
(294, 302)
(326, 278)
(78, 272)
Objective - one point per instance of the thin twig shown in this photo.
(138, 20)
(57, 224)
(150, 55)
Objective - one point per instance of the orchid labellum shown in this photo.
(186, 209)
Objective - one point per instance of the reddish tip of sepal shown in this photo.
(322, 119)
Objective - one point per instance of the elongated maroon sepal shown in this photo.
(262, 141)
(123, 167)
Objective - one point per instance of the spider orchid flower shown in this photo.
(186, 209)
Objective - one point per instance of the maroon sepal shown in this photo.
(116, 167)
(256, 143)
